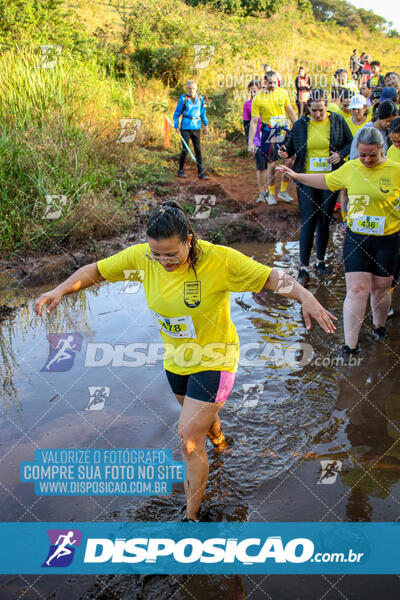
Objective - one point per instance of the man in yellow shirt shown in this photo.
(274, 108)
(187, 282)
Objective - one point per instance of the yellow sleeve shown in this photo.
(126, 265)
(336, 180)
(243, 274)
(255, 107)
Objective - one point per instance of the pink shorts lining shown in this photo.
(225, 386)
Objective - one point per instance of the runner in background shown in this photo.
(353, 64)
(274, 108)
(365, 73)
(267, 69)
(360, 64)
(376, 78)
(191, 107)
(187, 283)
(345, 97)
(261, 166)
(303, 87)
(333, 105)
(359, 113)
(342, 81)
(319, 143)
(386, 112)
(367, 92)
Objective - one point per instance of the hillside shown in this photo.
(61, 125)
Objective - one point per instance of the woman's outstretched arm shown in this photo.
(81, 279)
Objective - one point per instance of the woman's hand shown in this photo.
(334, 158)
(51, 298)
(313, 309)
(286, 171)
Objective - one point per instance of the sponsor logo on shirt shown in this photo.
(192, 293)
(385, 184)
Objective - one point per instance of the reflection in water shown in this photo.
(295, 415)
(373, 430)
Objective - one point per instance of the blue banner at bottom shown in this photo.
(200, 548)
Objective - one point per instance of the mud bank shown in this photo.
(233, 218)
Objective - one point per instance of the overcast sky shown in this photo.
(389, 9)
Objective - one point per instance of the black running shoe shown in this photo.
(181, 173)
(346, 350)
(303, 277)
(379, 333)
(322, 269)
(202, 176)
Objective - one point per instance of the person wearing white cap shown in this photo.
(359, 113)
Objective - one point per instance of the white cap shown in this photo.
(357, 101)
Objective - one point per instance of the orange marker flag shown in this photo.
(167, 133)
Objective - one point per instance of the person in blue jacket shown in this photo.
(193, 110)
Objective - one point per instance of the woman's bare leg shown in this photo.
(358, 287)
(197, 417)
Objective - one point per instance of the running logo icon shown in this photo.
(97, 397)
(203, 206)
(251, 394)
(63, 543)
(329, 471)
(62, 351)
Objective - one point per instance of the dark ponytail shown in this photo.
(168, 220)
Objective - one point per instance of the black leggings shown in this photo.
(316, 207)
(194, 135)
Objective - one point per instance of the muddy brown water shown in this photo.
(296, 416)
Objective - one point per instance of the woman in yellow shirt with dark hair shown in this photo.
(319, 142)
(372, 238)
(187, 282)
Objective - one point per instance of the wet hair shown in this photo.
(318, 95)
(168, 220)
(369, 136)
(395, 126)
(386, 109)
(254, 82)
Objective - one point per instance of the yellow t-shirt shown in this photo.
(318, 136)
(393, 153)
(374, 196)
(346, 116)
(193, 314)
(332, 107)
(271, 106)
(354, 128)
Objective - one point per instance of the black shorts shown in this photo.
(207, 386)
(376, 254)
(261, 165)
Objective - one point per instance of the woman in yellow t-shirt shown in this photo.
(372, 238)
(187, 283)
(319, 142)
(359, 113)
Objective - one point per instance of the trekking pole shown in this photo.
(184, 143)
